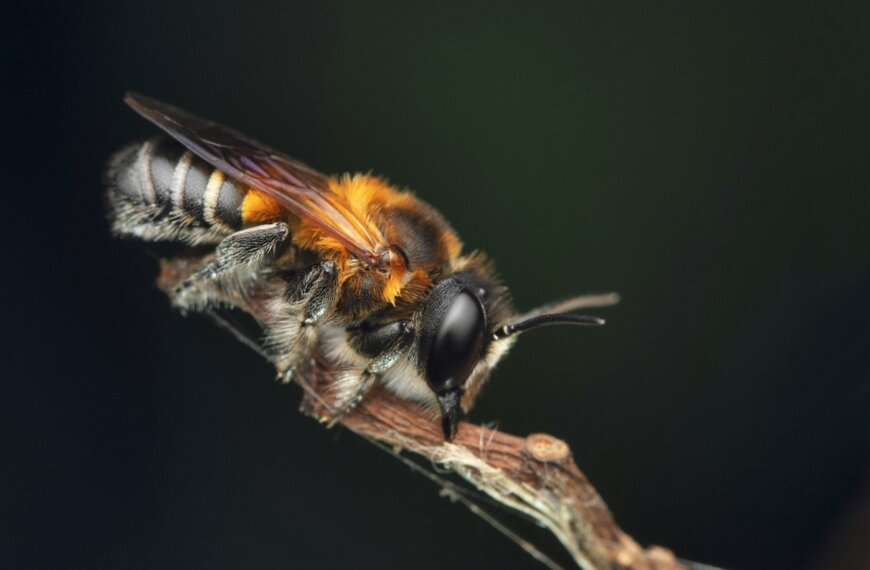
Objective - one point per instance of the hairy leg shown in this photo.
(294, 316)
(238, 260)
(384, 345)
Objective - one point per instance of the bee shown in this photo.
(353, 269)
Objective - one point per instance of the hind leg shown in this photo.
(238, 260)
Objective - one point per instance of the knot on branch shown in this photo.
(546, 448)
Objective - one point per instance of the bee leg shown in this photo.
(292, 334)
(238, 258)
(384, 345)
(315, 290)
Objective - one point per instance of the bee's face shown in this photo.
(455, 338)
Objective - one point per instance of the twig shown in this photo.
(534, 475)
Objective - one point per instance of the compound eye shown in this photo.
(457, 344)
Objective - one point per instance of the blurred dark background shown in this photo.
(709, 162)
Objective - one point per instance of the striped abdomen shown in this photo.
(159, 190)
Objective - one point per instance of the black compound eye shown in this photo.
(457, 344)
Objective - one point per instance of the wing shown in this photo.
(295, 186)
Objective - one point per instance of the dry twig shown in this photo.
(534, 475)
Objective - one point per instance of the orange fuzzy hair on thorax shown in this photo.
(421, 242)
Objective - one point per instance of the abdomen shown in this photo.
(159, 190)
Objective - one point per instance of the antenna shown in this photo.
(536, 321)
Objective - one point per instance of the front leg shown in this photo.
(384, 345)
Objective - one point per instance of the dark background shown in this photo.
(707, 161)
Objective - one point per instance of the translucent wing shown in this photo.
(297, 187)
